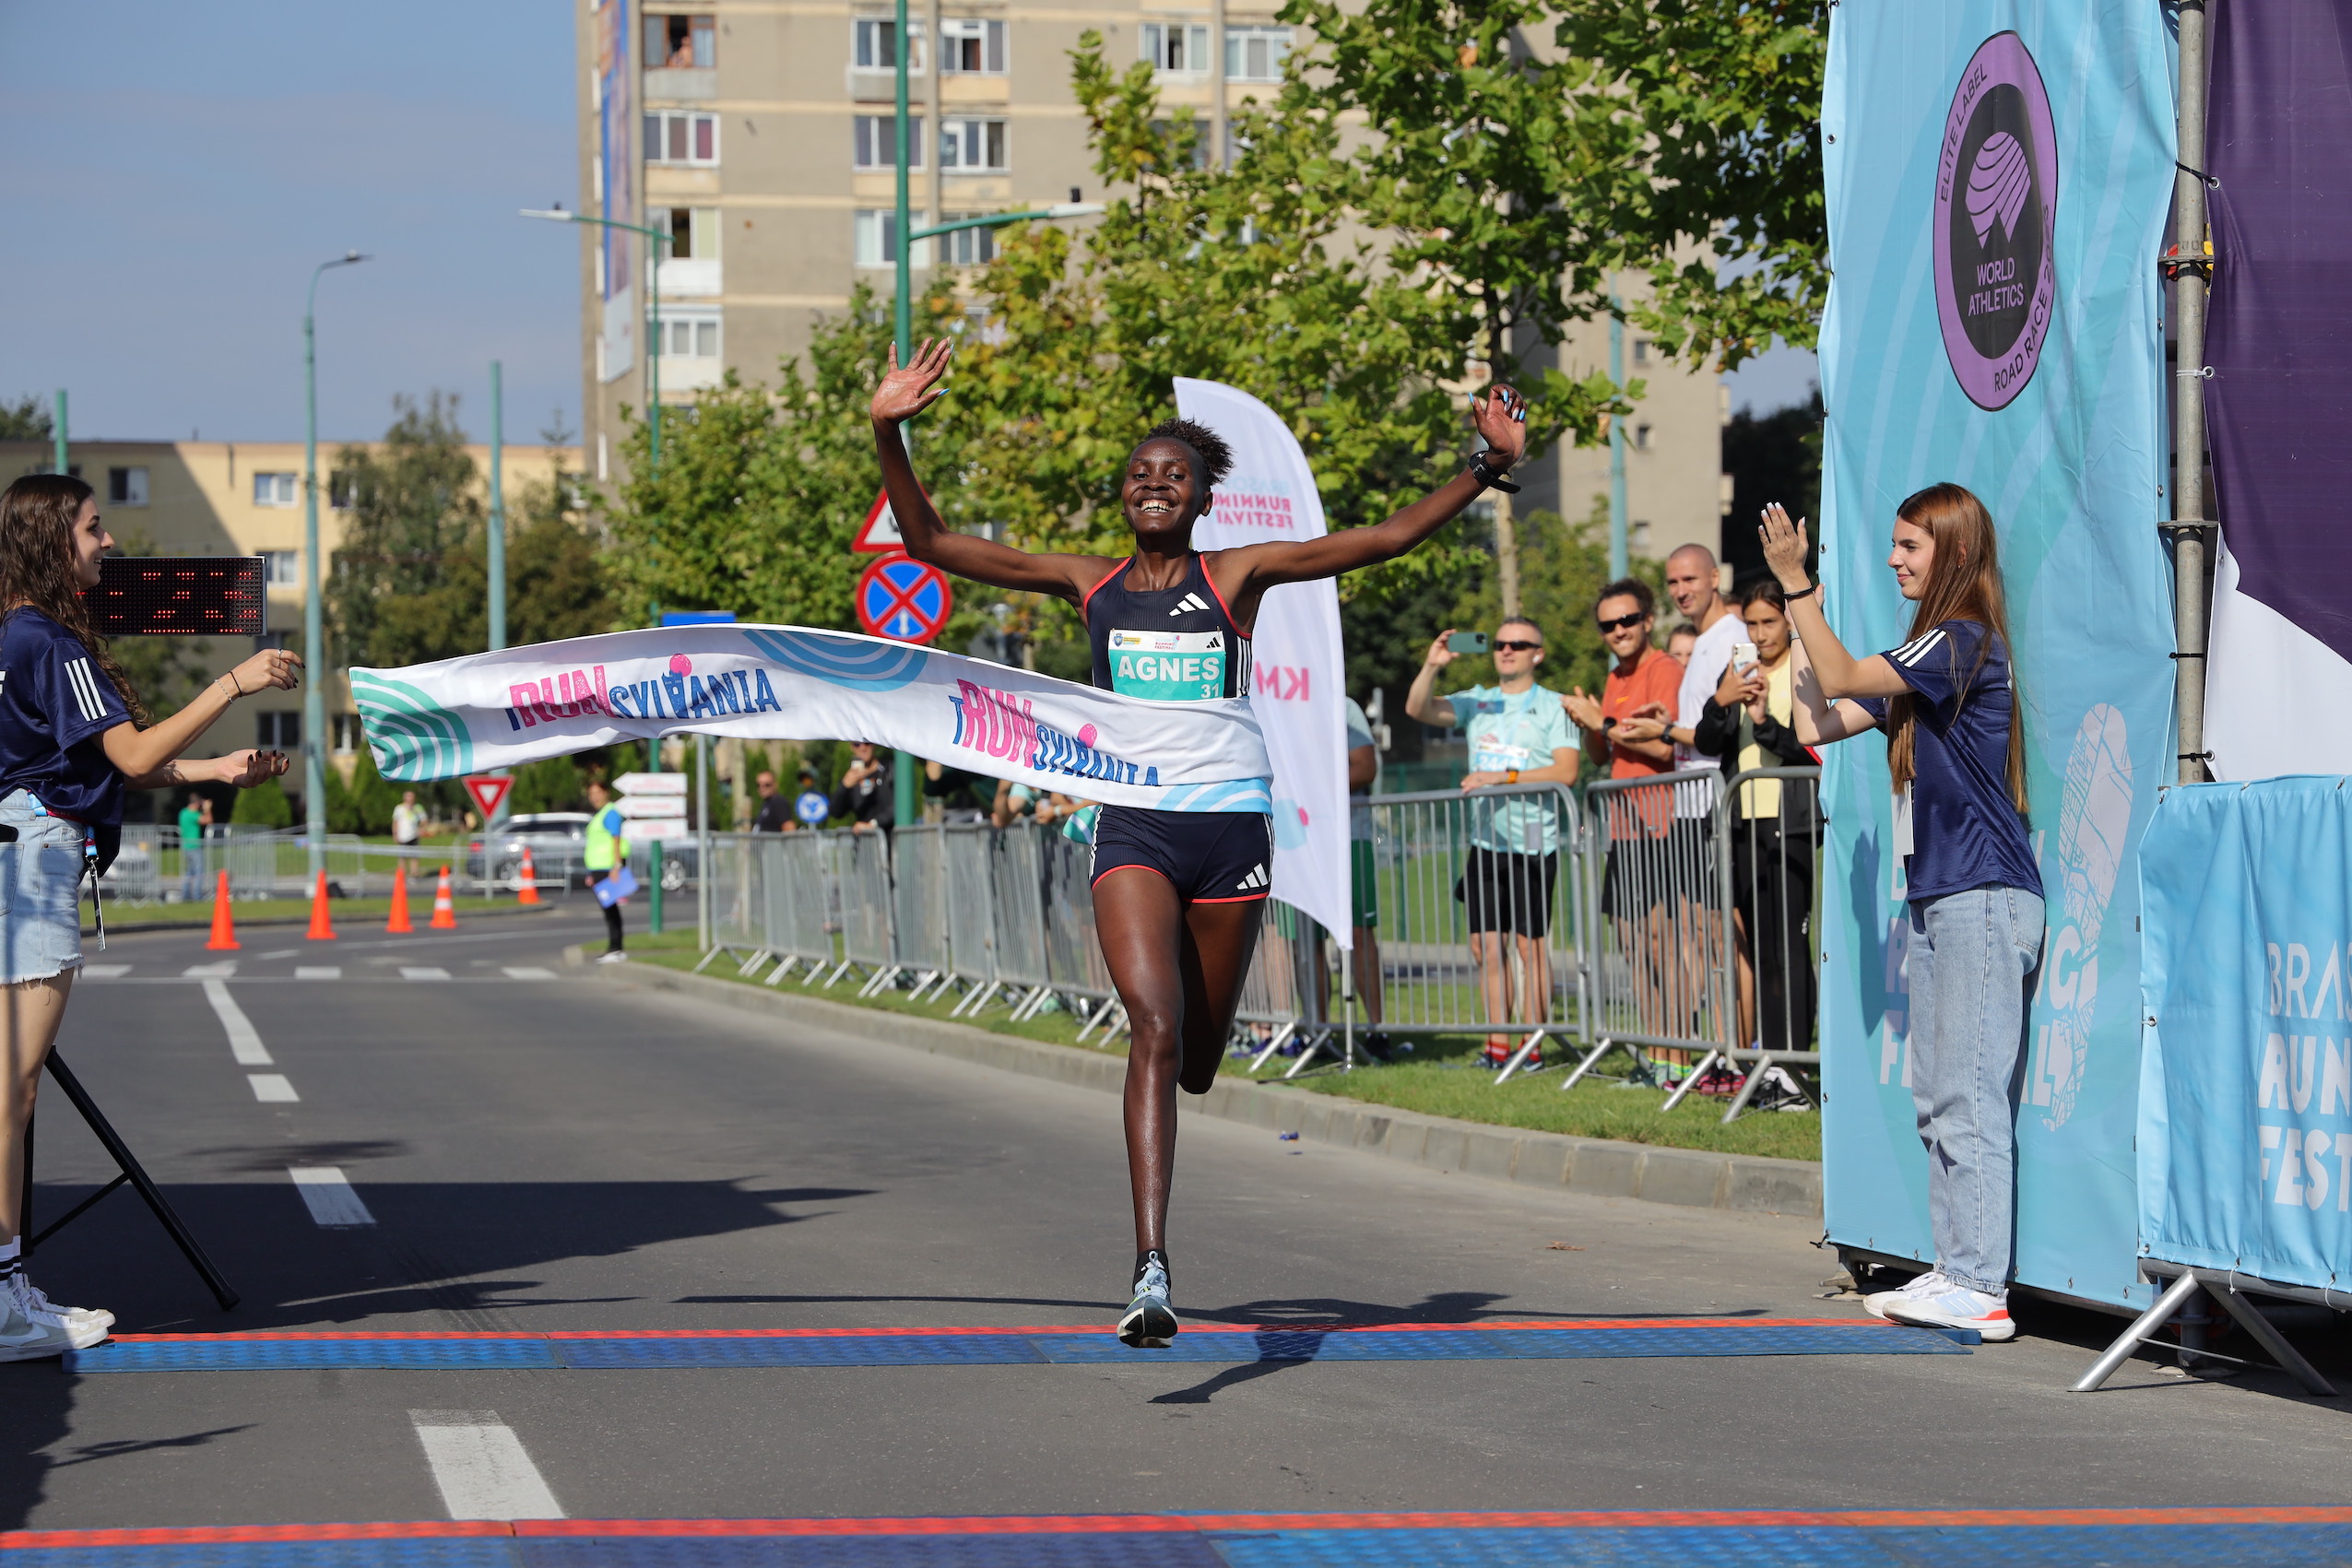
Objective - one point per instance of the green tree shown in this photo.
(25, 419)
(552, 784)
(412, 504)
(265, 805)
(1566, 565)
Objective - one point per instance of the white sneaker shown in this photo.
(1956, 1306)
(22, 1339)
(1875, 1302)
(612, 958)
(34, 1303)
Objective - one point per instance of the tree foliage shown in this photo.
(25, 419)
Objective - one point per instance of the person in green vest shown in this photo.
(607, 853)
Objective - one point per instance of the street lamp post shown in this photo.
(313, 631)
(652, 303)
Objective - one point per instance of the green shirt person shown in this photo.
(196, 816)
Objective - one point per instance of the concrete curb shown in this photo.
(1595, 1167)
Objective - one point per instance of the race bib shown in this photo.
(1178, 667)
(1497, 757)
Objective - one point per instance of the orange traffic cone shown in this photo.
(445, 907)
(224, 930)
(398, 925)
(526, 885)
(322, 928)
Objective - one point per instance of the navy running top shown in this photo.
(1966, 831)
(1177, 645)
(54, 704)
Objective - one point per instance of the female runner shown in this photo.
(1178, 896)
(73, 737)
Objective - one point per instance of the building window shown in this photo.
(281, 569)
(875, 45)
(874, 142)
(1641, 437)
(347, 734)
(339, 486)
(277, 490)
(282, 731)
(972, 145)
(972, 46)
(1175, 48)
(693, 233)
(877, 237)
(1255, 54)
(1638, 535)
(679, 138)
(1641, 350)
(968, 247)
(126, 487)
(690, 337)
(680, 43)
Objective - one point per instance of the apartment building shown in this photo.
(241, 498)
(760, 137)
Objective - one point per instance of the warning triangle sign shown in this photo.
(879, 535)
(488, 791)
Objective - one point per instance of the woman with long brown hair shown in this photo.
(1956, 746)
(73, 737)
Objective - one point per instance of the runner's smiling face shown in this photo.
(1164, 493)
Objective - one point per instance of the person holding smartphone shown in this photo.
(73, 737)
(1518, 733)
(1956, 747)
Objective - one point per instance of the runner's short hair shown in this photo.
(1632, 589)
(1521, 620)
(1216, 457)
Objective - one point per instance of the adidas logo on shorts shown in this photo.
(1189, 602)
(1256, 877)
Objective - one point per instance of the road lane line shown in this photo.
(273, 1089)
(243, 1042)
(327, 1194)
(105, 971)
(318, 971)
(220, 971)
(529, 973)
(481, 1468)
(407, 972)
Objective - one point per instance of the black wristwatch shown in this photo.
(1490, 478)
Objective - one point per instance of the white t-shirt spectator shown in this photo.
(407, 823)
(1710, 655)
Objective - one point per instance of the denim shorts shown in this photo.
(41, 877)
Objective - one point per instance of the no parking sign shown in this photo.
(901, 598)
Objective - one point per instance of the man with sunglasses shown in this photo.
(1519, 735)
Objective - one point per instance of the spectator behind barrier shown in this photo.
(1519, 733)
(1679, 641)
(1363, 878)
(865, 796)
(1749, 722)
(776, 813)
(1625, 731)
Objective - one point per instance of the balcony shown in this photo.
(691, 277)
(682, 85)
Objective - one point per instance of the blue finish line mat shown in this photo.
(1087, 1345)
(2244, 1538)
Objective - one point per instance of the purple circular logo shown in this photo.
(1996, 209)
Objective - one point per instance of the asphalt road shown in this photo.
(564, 1153)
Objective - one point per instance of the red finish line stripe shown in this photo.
(1198, 1327)
(1163, 1524)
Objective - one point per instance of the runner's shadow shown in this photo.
(37, 1398)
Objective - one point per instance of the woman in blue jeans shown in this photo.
(1956, 747)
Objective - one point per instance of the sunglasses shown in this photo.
(1515, 646)
(1622, 622)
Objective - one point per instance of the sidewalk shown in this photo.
(1595, 1167)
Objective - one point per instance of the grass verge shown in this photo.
(1440, 1077)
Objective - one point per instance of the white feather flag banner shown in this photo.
(518, 706)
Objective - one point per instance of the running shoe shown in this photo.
(34, 1303)
(1377, 1046)
(22, 1339)
(1150, 1322)
(1921, 1284)
(1956, 1306)
(616, 956)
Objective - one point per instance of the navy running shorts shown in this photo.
(1208, 856)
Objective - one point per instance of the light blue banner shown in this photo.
(2246, 1061)
(1997, 177)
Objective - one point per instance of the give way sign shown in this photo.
(488, 792)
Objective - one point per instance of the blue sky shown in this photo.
(180, 170)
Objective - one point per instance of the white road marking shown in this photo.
(529, 973)
(407, 972)
(333, 1205)
(273, 1089)
(220, 971)
(481, 1468)
(105, 971)
(243, 1043)
(318, 971)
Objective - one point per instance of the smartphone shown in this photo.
(1743, 655)
(1466, 642)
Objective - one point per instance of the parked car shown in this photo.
(559, 845)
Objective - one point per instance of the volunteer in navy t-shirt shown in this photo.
(1961, 829)
(55, 703)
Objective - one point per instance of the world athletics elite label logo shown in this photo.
(1996, 206)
